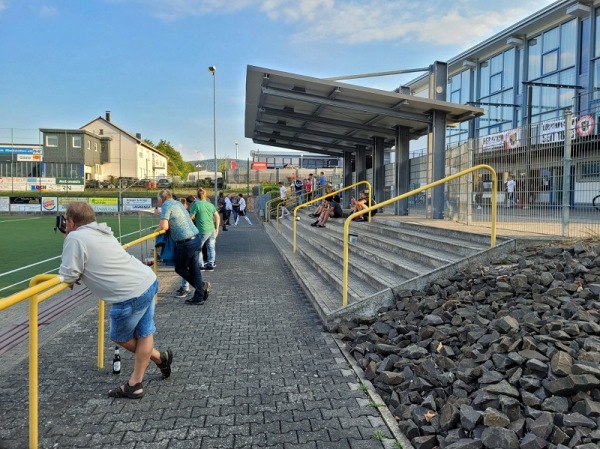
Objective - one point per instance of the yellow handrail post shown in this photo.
(33, 372)
(100, 334)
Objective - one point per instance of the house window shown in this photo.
(89, 145)
(52, 140)
(95, 147)
(76, 141)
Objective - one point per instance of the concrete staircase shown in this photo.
(388, 256)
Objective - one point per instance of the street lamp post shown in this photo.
(212, 69)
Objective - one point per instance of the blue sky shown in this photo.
(66, 62)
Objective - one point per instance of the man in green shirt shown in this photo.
(204, 214)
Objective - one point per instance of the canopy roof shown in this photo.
(329, 117)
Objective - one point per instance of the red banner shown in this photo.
(259, 166)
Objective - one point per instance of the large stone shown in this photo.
(542, 426)
(494, 418)
(469, 417)
(572, 384)
(504, 388)
(498, 438)
(532, 441)
(425, 442)
(578, 420)
(466, 443)
(561, 363)
(390, 378)
(506, 324)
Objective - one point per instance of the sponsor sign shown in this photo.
(25, 204)
(506, 140)
(136, 203)
(65, 201)
(21, 150)
(4, 204)
(29, 157)
(69, 181)
(49, 204)
(259, 165)
(104, 204)
(554, 130)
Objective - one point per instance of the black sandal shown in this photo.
(166, 359)
(127, 391)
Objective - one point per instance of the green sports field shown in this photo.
(30, 241)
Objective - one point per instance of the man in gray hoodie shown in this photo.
(91, 254)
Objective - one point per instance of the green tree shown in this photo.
(176, 166)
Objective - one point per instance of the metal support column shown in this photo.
(566, 184)
(402, 175)
(360, 163)
(378, 169)
(438, 82)
(347, 177)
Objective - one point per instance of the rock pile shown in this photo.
(505, 356)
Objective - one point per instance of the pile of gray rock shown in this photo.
(505, 356)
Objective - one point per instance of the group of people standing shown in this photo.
(232, 204)
(310, 186)
(92, 255)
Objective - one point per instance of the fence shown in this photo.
(547, 183)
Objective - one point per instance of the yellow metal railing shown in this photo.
(42, 287)
(325, 196)
(406, 195)
(286, 201)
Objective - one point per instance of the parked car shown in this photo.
(163, 183)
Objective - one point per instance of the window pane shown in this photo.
(535, 52)
(484, 79)
(568, 45)
(597, 37)
(496, 83)
(509, 68)
(551, 41)
(585, 48)
(550, 62)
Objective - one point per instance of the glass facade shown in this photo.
(565, 54)
(496, 93)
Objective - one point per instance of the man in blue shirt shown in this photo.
(176, 219)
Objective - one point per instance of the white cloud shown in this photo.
(437, 22)
(3, 5)
(458, 23)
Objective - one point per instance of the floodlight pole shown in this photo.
(212, 70)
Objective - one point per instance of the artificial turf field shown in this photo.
(29, 239)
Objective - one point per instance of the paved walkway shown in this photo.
(252, 369)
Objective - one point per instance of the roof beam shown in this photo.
(332, 102)
(297, 147)
(261, 126)
(386, 132)
(280, 138)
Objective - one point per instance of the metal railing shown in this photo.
(406, 195)
(356, 184)
(42, 287)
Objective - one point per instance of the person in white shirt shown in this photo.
(242, 212)
(510, 192)
(92, 255)
(283, 198)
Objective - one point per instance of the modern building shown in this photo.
(531, 79)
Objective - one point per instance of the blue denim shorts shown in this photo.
(134, 317)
